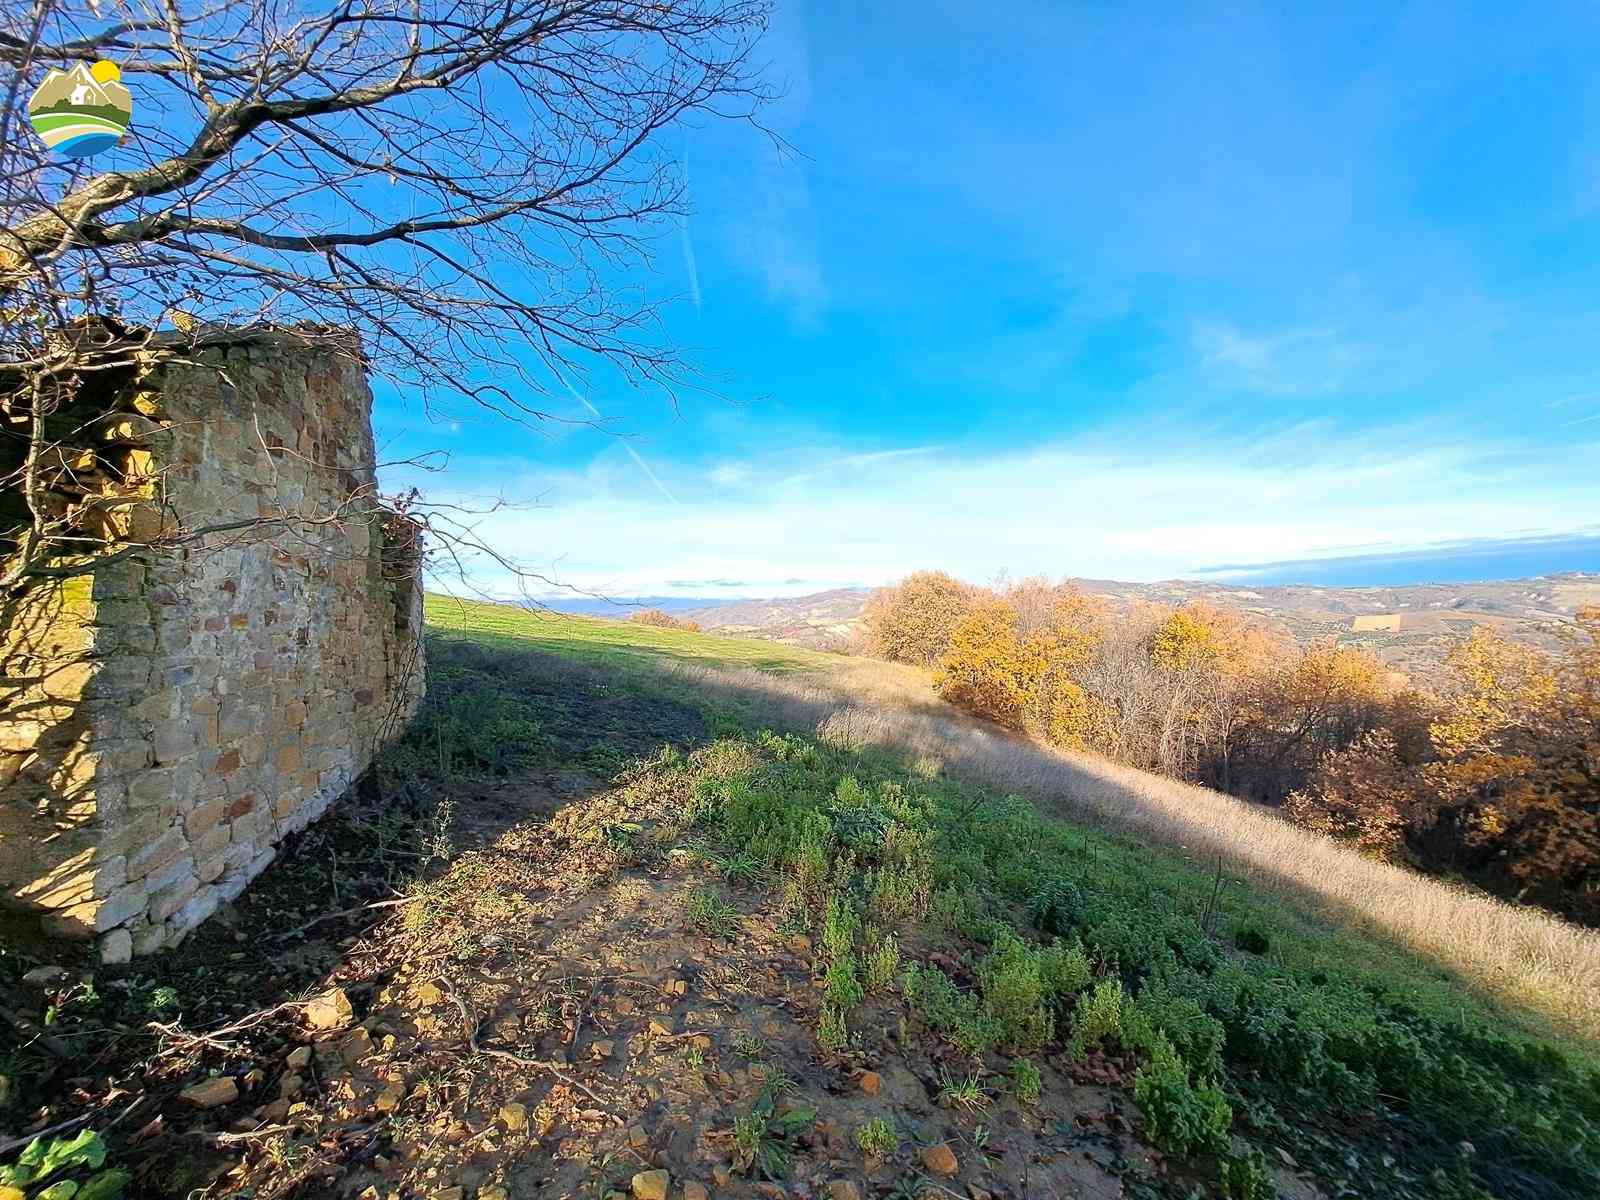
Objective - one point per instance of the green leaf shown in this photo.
(107, 1185)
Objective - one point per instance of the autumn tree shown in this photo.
(913, 621)
(988, 669)
(1361, 793)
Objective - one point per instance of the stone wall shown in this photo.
(168, 718)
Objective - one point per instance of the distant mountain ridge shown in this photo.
(1410, 627)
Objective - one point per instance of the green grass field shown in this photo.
(592, 640)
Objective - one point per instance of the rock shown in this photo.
(799, 945)
(651, 1185)
(299, 1058)
(843, 1189)
(637, 1137)
(493, 1192)
(974, 1192)
(389, 1099)
(46, 976)
(771, 1191)
(603, 1049)
(941, 1160)
(116, 948)
(450, 1193)
(695, 1191)
(211, 1093)
(871, 1082)
(289, 1086)
(355, 1047)
(428, 993)
(661, 1026)
(331, 1010)
(514, 1117)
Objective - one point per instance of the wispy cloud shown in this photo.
(1132, 502)
(632, 453)
(685, 240)
(1301, 360)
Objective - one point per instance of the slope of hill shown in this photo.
(822, 621)
(1411, 628)
(589, 931)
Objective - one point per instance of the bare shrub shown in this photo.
(663, 620)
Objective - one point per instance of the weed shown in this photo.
(708, 912)
(1245, 1176)
(964, 1093)
(694, 1058)
(832, 1033)
(840, 927)
(1179, 1117)
(1026, 1081)
(840, 987)
(742, 869)
(882, 962)
(1099, 1016)
(877, 1140)
(765, 1139)
(46, 1161)
(748, 1045)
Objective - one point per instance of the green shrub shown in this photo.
(1026, 1081)
(1245, 1177)
(832, 1033)
(882, 962)
(1179, 1118)
(1016, 994)
(943, 1006)
(840, 927)
(1159, 1012)
(877, 1139)
(841, 988)
(1098, 1016)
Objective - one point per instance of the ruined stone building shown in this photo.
(167, 718)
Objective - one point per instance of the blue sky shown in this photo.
(1115, 291)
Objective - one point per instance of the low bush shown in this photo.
(1037, 912)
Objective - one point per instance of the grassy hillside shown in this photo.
(1019, 946)
(594, 640)
(1230, 1009)
(626, 901)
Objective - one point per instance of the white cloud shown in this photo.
(1312, 359)
(1131, 503)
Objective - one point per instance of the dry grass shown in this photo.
(1519, 956)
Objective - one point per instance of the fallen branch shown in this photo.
(345, 912)
(559, 1070)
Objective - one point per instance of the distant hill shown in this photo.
(1410, 627)
(822, 621)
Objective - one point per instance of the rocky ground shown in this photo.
(538, 1017)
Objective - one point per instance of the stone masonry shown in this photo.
(167, 718)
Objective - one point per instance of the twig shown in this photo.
(345, 912)
(1208, 923)
(559, 1070)
(11, 1144)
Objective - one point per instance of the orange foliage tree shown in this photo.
(913, 621)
